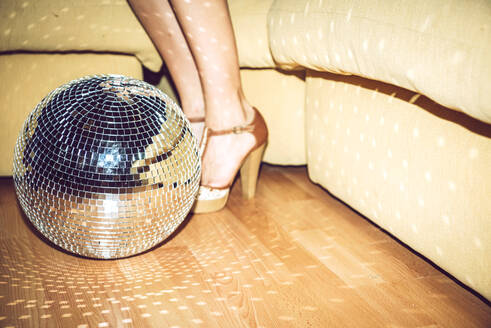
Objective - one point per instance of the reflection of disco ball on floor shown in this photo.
(106, 166)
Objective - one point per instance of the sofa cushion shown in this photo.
(249, 18)
(439, 48)
(283, 112)
(75, 26)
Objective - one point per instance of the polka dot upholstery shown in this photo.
(91, 25)
(283, 112)
(417, 169)
(438, 48)
(249, 20)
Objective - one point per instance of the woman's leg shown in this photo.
(208, 30)
(159, 21)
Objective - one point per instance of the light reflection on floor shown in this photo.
(216, 278)
(259, 263)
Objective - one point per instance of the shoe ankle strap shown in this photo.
(235, 130)
(250, 127)
(196, 119)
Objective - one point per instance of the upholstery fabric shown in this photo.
(439, 48)
(32, 76)
(415, 168)
(280, 97)
(75, 26)
(249, 19)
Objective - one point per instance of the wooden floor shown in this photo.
(292, 257)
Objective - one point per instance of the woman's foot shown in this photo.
(226, 151)
(222, 158)
(198, 128)
(195, 112)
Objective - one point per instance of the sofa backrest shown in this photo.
(75, 26)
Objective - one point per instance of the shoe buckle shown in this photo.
(242, 129)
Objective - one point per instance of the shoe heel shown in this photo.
(249, 172)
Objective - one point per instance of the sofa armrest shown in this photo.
(439, 48)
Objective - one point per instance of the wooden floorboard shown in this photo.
(292, 257)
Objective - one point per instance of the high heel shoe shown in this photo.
(212, 199)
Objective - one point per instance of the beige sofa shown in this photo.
(387, 102)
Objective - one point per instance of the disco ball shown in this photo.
(106, 166)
